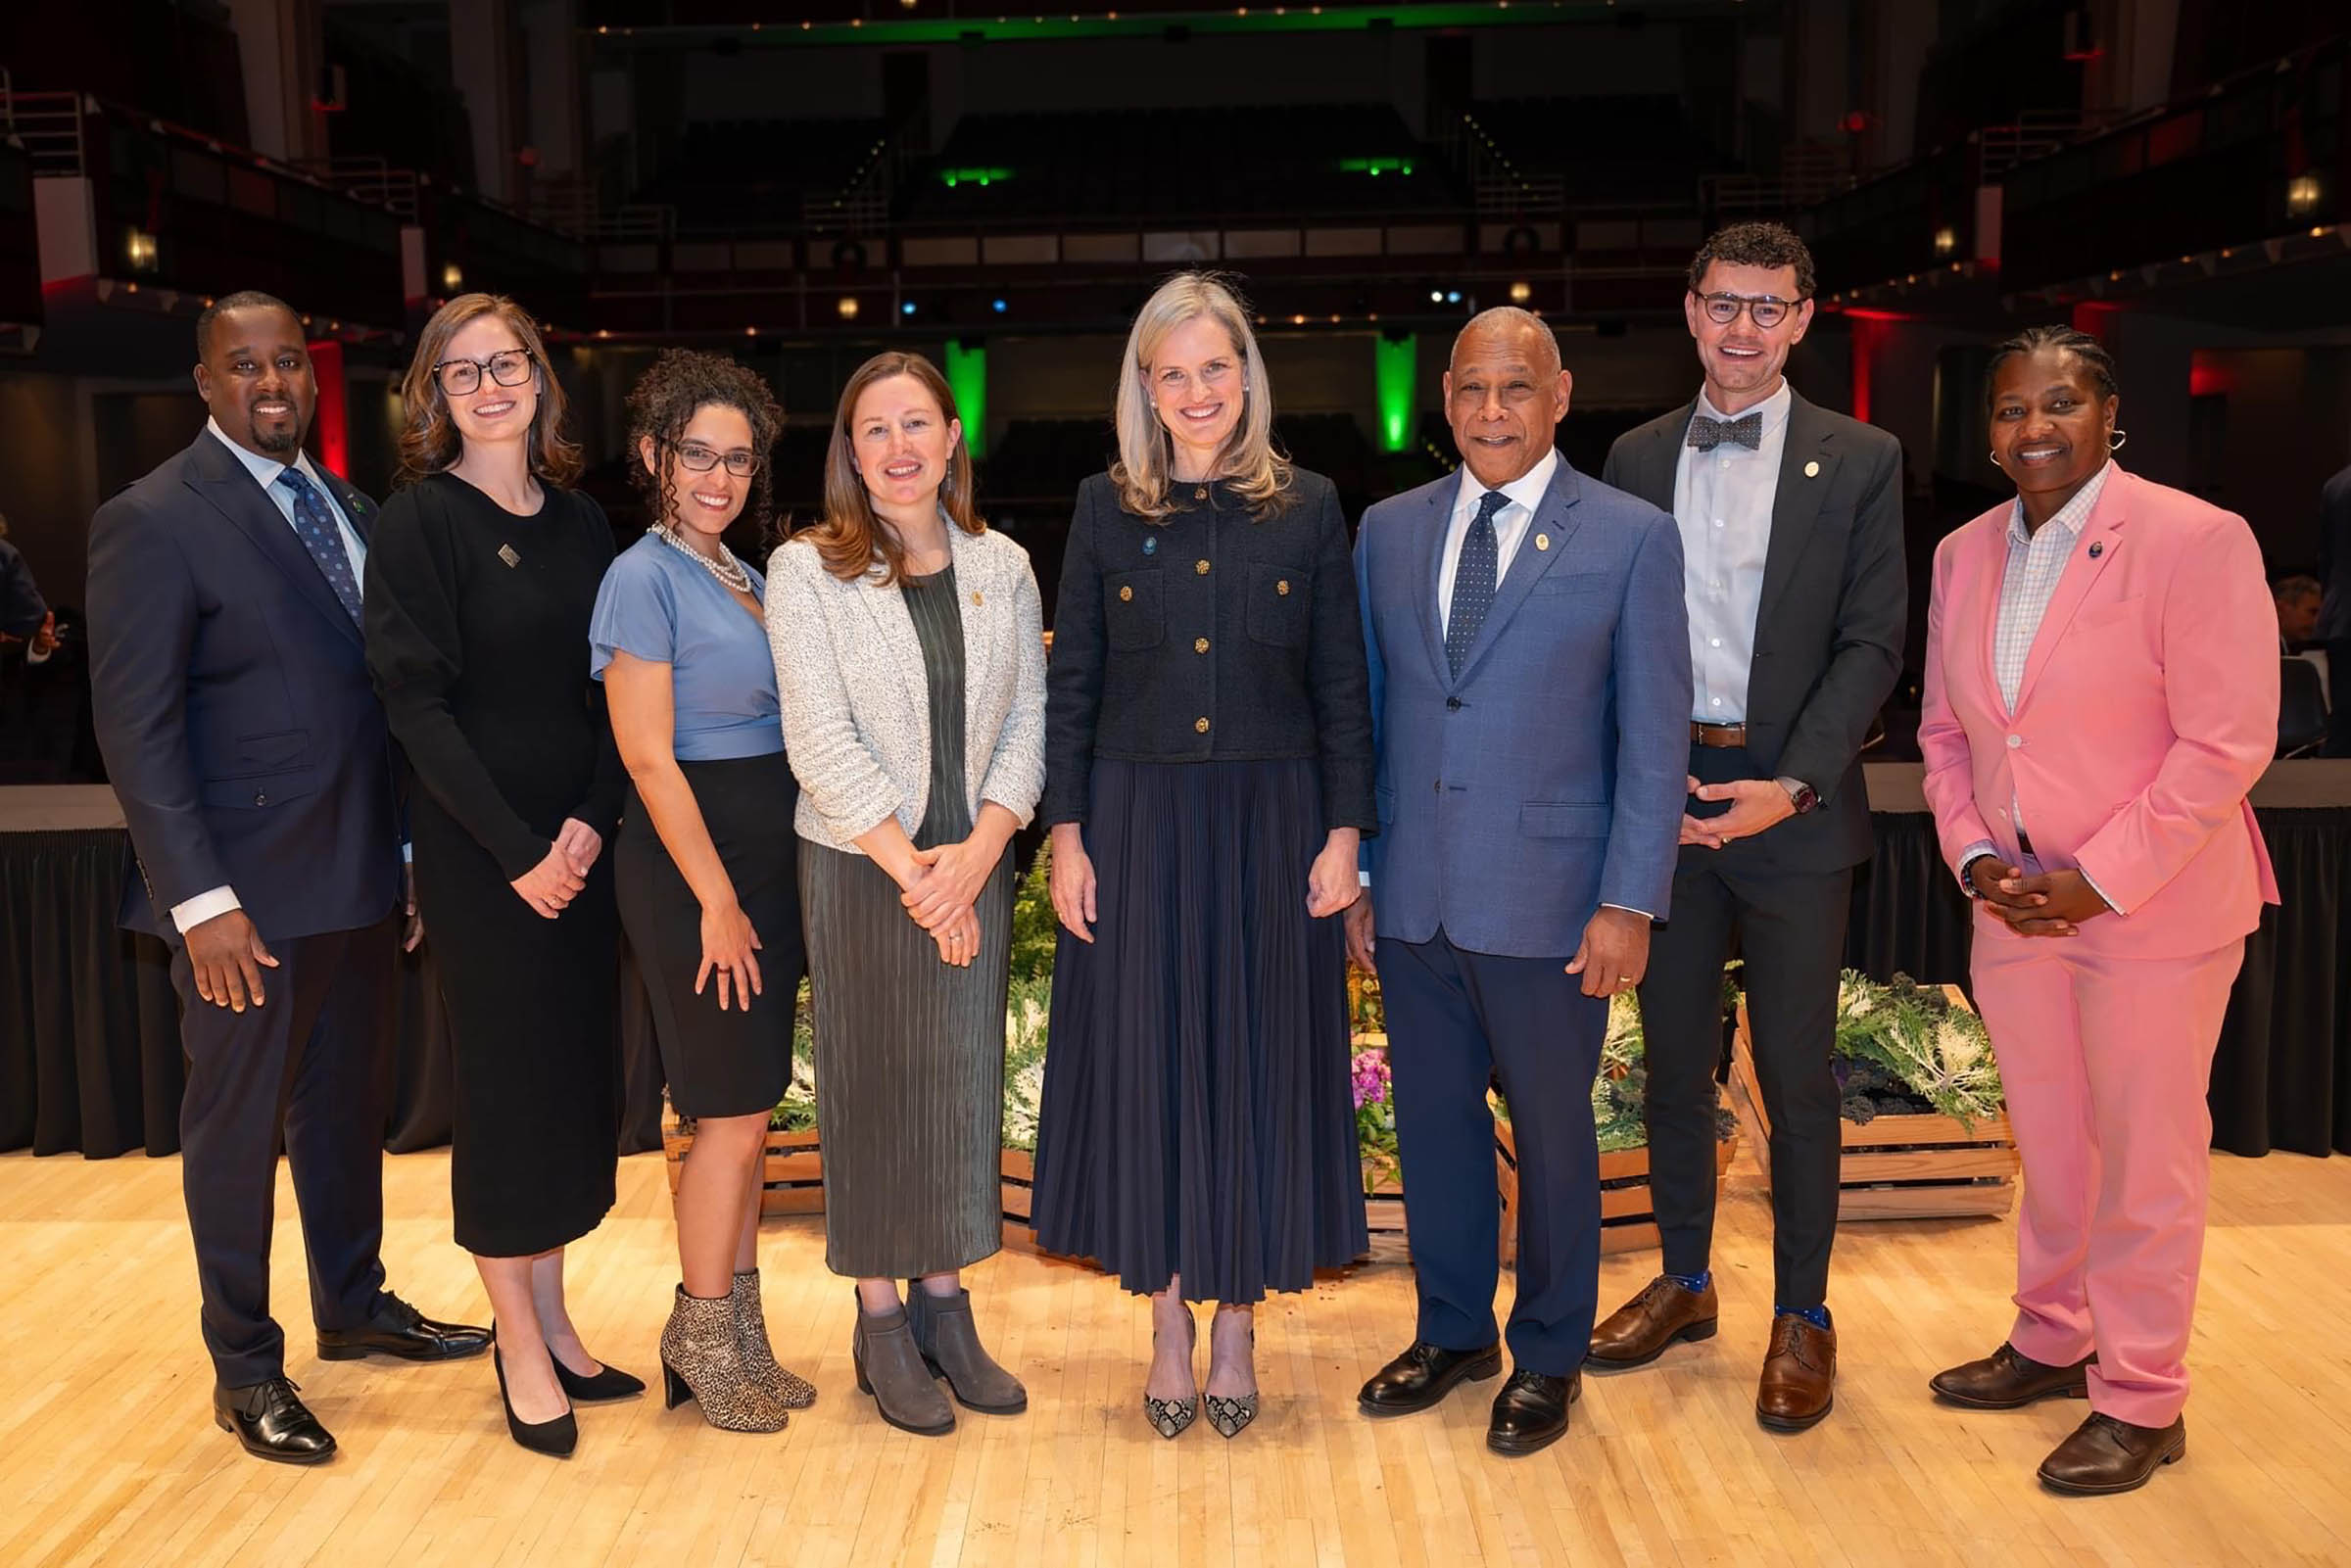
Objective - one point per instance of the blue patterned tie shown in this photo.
(323, 539)
(1473, 581)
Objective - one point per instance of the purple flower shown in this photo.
(1370, 1074)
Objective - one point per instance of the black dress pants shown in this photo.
(309, 1070)
(1789, 925)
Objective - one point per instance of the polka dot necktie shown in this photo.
(322, 538)
(1473, 581)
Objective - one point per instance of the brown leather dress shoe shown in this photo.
(2105, 1456)
(1799, 1374)
(1638, 1332)
(2007, 1379)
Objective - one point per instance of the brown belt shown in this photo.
(1722, 737)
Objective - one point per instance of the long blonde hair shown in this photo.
(1145, 469)
(850, 539)
(429, 443)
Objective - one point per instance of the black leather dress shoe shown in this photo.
(1531, 1412)
(1423, 1375)
(271, 1422)
(398, 1329)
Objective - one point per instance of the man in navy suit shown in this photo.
(251, 758)
(1530, 692)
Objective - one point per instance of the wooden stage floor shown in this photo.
(108, 1453)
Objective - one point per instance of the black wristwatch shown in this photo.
(1803, 796)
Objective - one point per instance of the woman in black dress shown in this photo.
(707, 863)
(480, 580)
(1209, 776)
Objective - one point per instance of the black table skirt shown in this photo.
(89, 1037)
(89, 1027)
(2283, 1077)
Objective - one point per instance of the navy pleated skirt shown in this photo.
(1197, 1116)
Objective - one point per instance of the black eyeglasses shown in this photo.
(1767, 310)
(701, 459)
(509, 367)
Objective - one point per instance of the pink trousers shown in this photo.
(2106, 1062)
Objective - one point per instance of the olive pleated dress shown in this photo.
(944, 674)
(477, 637)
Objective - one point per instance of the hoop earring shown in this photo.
(1995, 459)
(2114, 442)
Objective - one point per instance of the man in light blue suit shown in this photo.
(1530, 698)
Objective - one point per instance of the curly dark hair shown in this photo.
(2081, 344)
(665, 402)
(1756, 245)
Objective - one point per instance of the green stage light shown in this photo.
(967, 378)
(975, 176)
(1395, 370)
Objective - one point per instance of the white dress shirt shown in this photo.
(220, 900)
(1510, 524)
(1722, 501)
(2036, 563)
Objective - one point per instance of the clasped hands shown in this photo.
(942, 885)
(2050, 903)
(550, 886)
(1756, 804)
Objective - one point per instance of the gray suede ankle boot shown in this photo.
(950, 1345)
(892, 1371)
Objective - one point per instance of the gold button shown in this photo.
(976, 598)
(1126, 592)
(1200, 567)
(1283, 586)
(1201, 494)
(1200, 645)
(1200, 725)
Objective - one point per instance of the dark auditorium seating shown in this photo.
(1634, 148)
(1285, 161)
(758, 173)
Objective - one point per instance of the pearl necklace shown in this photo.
(729, 572)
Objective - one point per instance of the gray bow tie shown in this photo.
(1707, 434)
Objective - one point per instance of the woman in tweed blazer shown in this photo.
(910, 666)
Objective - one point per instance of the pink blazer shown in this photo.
(2149, 708)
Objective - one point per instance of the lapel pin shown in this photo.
(1813, 470)
(976, 598)
(1542, 542)
(1151, 543)
(2098, 549)
(505, 552)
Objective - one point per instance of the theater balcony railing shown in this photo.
(2261, 160)
(1397, 268)
(140, 202)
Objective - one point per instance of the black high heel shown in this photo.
(556, 1438)
(610, 1384)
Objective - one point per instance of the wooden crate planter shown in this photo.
(1628, 1214)
(1017, 1174)
(792, 1182)
(1897, 1167)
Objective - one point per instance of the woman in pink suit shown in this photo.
(2101, 692)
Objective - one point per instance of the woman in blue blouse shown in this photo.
(706, 860)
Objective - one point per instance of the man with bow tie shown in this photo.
(1790, 520)
(256, 773)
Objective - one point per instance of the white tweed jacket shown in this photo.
(856, 699)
